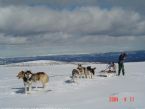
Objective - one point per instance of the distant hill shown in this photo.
(133, 56)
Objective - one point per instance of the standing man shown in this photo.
(121, 60)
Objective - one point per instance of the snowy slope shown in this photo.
(62, 93)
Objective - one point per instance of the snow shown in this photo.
(62, 93)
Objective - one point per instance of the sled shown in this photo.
(107, 73)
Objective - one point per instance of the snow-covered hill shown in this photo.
(132, 56)
(96, 93)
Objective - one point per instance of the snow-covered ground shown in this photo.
(96, 93)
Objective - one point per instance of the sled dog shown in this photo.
(75, 74)
(90, 72)
(80, 71)
(29, 77)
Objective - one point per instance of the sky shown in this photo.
(47, 27)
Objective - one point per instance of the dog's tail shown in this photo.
(46, 78)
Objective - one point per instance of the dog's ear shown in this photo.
(22, 72)
(80, 65)
(28, 71)
(89, 67)
(94, 68)
(18, 75)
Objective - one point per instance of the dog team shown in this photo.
(28, 77)
(83, 72)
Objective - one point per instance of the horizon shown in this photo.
(72, 54)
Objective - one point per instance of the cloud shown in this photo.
(136, 5)
(83, 29)
(12, 40)
(48, 2)
(84, 20)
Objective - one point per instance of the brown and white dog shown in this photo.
(82, 71)
(29, 77)
(75, 74)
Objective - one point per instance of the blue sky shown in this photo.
(44, 27)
